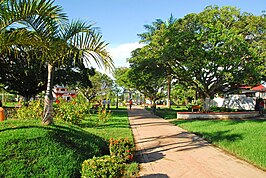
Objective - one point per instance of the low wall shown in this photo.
(234, 101)
(216, 115)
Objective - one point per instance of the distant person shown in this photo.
(108, 103)
(130, 104)
(261, 107)
(104, 103)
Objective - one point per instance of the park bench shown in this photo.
(196, 107)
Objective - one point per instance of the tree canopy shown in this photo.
(101, 85)
(213, 51)
(146, 75)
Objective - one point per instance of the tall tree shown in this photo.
(101, 86)
(75, 39)
(22, 74)
(122, 80)
(212, 51)
(148, 36)
(146, 75)
(57, 38)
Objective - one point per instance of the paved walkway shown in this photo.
(165, 150)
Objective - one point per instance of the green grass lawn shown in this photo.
(10, 104)
(29, 149)
(244, 138)
(116, 127)
(123, 108)
(170, 113)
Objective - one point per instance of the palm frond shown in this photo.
(72, 29)
(93, 48)
(40, 15)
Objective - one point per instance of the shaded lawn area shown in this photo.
(170, 113)
(29, 149)
(117, 127)
(244, 138)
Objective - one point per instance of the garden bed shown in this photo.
(216, 115)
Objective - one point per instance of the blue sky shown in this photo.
(121, 20)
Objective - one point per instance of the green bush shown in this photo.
(34, 110)
(122, 148)
(72, 112)
(131, 170)
(103, 167)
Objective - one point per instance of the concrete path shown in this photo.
(165, 150)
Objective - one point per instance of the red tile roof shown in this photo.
(259, 88)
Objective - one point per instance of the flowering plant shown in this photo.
(72, 112)
(122, 148)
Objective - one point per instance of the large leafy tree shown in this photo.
(146, 75)
(211, 51)
(121, 79)
(21, 44)
(101, 85)
(22, 74)
(57, 38)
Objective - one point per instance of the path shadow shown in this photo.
(148, 157)
(195, 142)
(150, 124)
(220, 136)
(159, 145)
(155, 176)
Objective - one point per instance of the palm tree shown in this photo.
(74, 41)
(146, 37)
(46, 27)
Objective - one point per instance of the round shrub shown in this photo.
(103, 167)
(33, 110)
(122, 148)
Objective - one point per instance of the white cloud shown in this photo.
(121, 53)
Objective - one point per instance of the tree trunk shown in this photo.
(153, 106)
(206, 105)
(48, 100)
(116, 100)
(130, 95)
(169, 80)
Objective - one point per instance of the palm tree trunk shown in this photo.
(116, 100)
(169, 79)
(48, 100)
